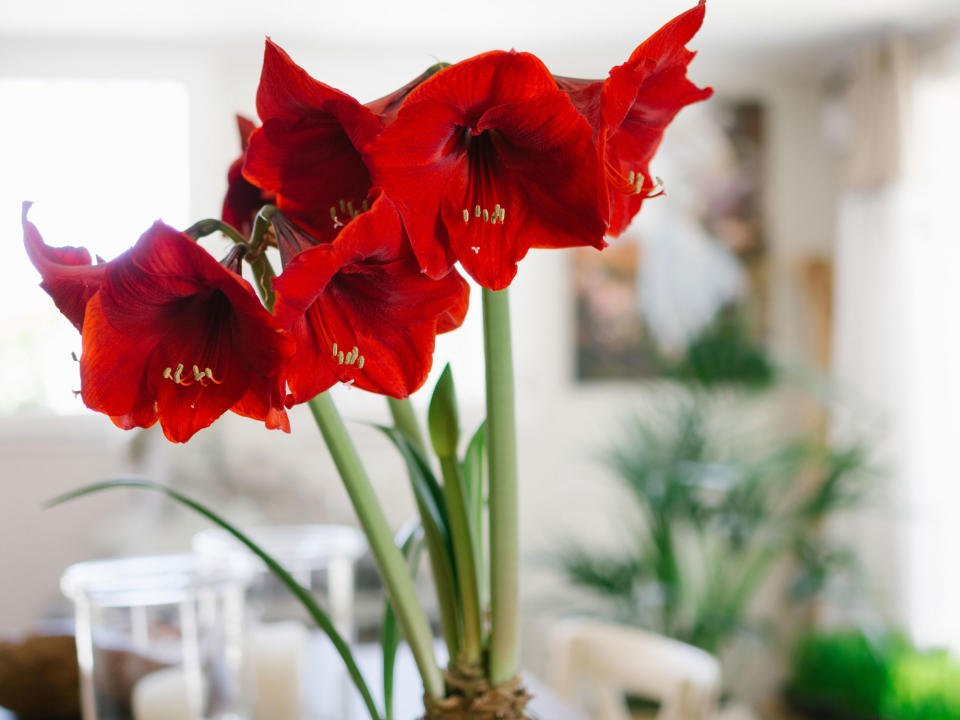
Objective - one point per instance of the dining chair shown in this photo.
(602, 662)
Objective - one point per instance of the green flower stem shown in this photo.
(405, 420)
(393, 567)
(262, 270)
(465, 558)
(202, 228)
(504, 521)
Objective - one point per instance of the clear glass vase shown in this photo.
(297, 673)
(160, 639)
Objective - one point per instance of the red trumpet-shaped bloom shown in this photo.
(168, 334)
(485, 160)
(243, 199)
(632, 107)
(308, 149)
(359, 308)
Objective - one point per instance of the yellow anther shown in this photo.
(353, 213)
(360, 363)
(197, 375)
(503, 214)
(177, 373)
(466, 215)
(631, 176)
(486, 215)
(333, 213)
(343, 206)
(476, 211)
(365, 205)
(168, 374)
(334, 349)
(340, 358)
(209, 373)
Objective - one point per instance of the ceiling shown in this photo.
(586, 26)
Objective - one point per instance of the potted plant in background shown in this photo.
(371, 207)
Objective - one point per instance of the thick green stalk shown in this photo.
(405, 420)
(504, 522)
(466, 562)
(393, 567)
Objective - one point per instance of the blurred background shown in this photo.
(737, 424)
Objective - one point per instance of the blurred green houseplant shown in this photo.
(850, 675)
(712, 521)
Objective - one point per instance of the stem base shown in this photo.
(472, 697)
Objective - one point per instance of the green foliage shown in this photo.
(925, 686)
(844, 675)
(712, 520)
(727, 351)
(410, 542)
(848, 675)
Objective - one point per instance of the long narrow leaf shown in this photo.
(425, 484)
(302, 594)
(433, 514)
(472, 469)
(410, 541)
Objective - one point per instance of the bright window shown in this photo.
(101, 160)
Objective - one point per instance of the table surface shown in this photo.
(327, 692)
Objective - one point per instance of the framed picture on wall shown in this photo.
(683, 290)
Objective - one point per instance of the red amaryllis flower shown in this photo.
(243, 199)
(360, 309)
(69, 275)
(485, 160)
(168, 333)
(308, 149)
(630, 110)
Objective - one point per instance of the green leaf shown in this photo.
(473, 473)
(301, 593)
(436, 525)
(410, 540)
(426, 488)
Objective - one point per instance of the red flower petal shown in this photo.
(113, 367)
(69, 276)
(389, 105)
(494, 148)
(630, 110)
(243, 199)
(308, 150)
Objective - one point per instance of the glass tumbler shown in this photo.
(160, 639)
